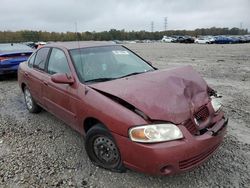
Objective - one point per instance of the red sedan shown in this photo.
(131, 114)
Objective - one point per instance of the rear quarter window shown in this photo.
(31, 60)
(41, 58)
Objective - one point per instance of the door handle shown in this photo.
(45, 83)
(26, 74)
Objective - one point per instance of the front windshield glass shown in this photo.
(97, 64)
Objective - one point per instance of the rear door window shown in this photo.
(41, 57)
(58, 62)
(31, 60)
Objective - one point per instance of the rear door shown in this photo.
(59, 98)
(34, 77)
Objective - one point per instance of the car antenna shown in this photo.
(77, 38)
(80, 52)
(78, 42)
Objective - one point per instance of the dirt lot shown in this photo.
(41, 151)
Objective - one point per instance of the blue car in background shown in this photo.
(11, 55)
(223, 40)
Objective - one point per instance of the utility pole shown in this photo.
(152, 26)
(165, 23)
(76, 27)
(241, 23)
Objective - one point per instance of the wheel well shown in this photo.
(23, 86)
(90, 122)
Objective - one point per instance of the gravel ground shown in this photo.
(41, 151)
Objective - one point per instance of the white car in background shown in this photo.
(167, 39)
(205, 40)
(202, 40)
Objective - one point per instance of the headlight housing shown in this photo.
(155, 133)
(216, 103)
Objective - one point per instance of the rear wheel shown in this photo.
(102, 150)
(31, 105)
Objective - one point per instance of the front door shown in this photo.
(59, 97)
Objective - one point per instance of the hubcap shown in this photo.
(28, 99)
(106, 151)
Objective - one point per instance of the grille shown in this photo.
(188, 163)
(191, 127)
(202, 114)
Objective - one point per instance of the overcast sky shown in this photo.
(100, 15)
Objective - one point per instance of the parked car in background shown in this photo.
(247, 38)
(202, 40)
(168, 39)
(30, 44)
(212, 39)
(39, 44)
(223, 40)
(184, 39)
(131, 114)
(11, 55)
(234, 39)
(244, 39)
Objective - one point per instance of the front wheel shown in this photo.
(31, 105)
(102, 150)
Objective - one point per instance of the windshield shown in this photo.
(98, 64)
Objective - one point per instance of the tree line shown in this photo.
(113, 34)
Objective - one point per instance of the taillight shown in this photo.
(3, 58)
(14, 56)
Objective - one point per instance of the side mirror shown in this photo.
(62, 78)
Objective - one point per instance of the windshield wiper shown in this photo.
(100, 80)
(135, 73)
(108, 79)
(131, 74)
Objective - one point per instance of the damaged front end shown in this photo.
(178, 96)
(206, 118)
(184, 121)
(201, 121)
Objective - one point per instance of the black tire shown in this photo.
(31, 105)
(102, 149)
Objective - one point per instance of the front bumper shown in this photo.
(171, 157)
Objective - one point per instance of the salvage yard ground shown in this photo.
(41, 151)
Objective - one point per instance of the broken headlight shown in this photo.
(216, 103)
(155, 133)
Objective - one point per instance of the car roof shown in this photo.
(80, 44)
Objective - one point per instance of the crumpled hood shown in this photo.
(169, 95)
